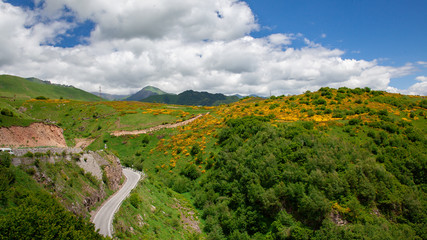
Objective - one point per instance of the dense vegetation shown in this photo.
(298, 182)
(27, 211)
(192, 98)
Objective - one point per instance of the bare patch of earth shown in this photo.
(83, 142)
(35, 135)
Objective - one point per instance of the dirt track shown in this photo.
(156, 128)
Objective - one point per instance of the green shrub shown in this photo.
(31, 171)
(139, 165)
(145, 140)
(319, 101)
(6, 112)
(195, 150)
(42, 98)
(5, 159)
(190, 171)
(104, 177)
(29, 154)
(355, 121)
(135, 200)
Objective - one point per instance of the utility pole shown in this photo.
(100, 95)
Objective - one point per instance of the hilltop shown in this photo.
(145, 93)
(22, 88)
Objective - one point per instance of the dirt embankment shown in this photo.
(35, 135)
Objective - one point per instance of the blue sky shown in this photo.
(392, 31)
(291, 45)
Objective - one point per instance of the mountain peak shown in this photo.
(145, 93)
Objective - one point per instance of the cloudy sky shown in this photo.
(227, 46)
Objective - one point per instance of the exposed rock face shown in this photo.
(92, 162)
(36, 135)
(114, 173)
(337, 218)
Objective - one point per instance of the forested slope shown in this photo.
(295, 181)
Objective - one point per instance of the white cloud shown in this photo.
(419, 88)
(185, 19)
(174, 45)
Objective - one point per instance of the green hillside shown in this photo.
(21, 88)
(332, 164)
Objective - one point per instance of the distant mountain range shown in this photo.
(145, 93)
(155, 95)
(27, 88)
(111, 97)
(193, 98)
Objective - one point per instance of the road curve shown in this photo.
(103, 219)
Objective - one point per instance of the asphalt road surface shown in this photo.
(103, 220)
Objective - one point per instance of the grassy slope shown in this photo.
(10, 116)
(97, 119)
(155, 212)
(155, 90)
(25, 89)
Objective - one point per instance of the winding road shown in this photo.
(103, 219)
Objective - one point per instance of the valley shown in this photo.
(332, 164)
